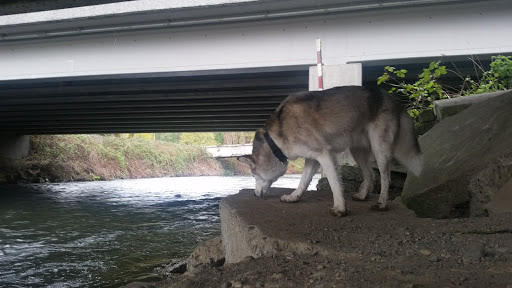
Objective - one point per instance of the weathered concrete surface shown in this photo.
(467, 159)
(226, 151)
(258, 227)
(449, 107)
(273, 244)
(336, 75)
(13, 147)
(502, 202)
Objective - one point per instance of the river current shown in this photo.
(109, 233)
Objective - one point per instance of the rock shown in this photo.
(449, 107)
(426, 116)
(467, 160)
(422, 128)
(433, 258)
(502, 202)
(475, 252)
(139, 285)
(178, 267)
(209, 252)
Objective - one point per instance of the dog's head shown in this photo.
(265, 167)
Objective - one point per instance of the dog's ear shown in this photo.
(247, 159)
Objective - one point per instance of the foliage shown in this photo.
(219, 137)
(499, 77)
(296, 166)
(168, 137)
(94, 157)
(207, 138)
(230, 138)
(420, 94)
(147, 136)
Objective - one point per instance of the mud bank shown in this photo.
(272, 244)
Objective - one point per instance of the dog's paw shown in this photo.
(338, 212)
(289, 198)
(379, 207)
(358, 197)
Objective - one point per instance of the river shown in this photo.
(109, 233)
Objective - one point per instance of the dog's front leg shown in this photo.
(329, 167)
(310, 167)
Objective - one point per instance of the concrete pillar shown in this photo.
(336, 75)
(12, 148)
(333, 76)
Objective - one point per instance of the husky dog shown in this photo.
(319, 125)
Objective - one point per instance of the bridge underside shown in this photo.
(191, 101)
(218, 100)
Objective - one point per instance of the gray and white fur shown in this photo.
(319, 125)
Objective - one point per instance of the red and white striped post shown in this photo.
(319, 64)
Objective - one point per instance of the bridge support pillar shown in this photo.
(336, 75)
(333, 76)
(12, 148)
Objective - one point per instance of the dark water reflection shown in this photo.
(100, 234)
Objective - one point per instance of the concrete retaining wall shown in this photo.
(13, 147)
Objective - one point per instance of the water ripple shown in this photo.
(105, 234)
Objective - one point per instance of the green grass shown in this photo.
(94, 157)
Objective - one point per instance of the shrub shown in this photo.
(420, 94)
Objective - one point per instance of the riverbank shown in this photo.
(64, 158)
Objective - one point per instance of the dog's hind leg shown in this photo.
(329, 167)
(310, 167)
(363, 157)
(381, 146)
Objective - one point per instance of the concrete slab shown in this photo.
(260, 227)
(302, 245)
(449, 107)
(502, 202)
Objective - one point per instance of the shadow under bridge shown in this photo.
(193, 101)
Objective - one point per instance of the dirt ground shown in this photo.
(364, 249)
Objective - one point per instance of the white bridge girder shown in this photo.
(481, 27)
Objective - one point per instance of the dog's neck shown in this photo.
(275, 149)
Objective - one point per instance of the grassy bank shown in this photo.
(60, 158)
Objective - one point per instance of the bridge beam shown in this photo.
(12, 148)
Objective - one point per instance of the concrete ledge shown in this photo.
(302, 245)
(449, 107)
(259, 227)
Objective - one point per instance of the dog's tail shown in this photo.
(407, 148)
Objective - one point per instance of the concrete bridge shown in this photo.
(217, 65)
(227, 151)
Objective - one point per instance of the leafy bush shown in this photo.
(499, 77)
(422, 93)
